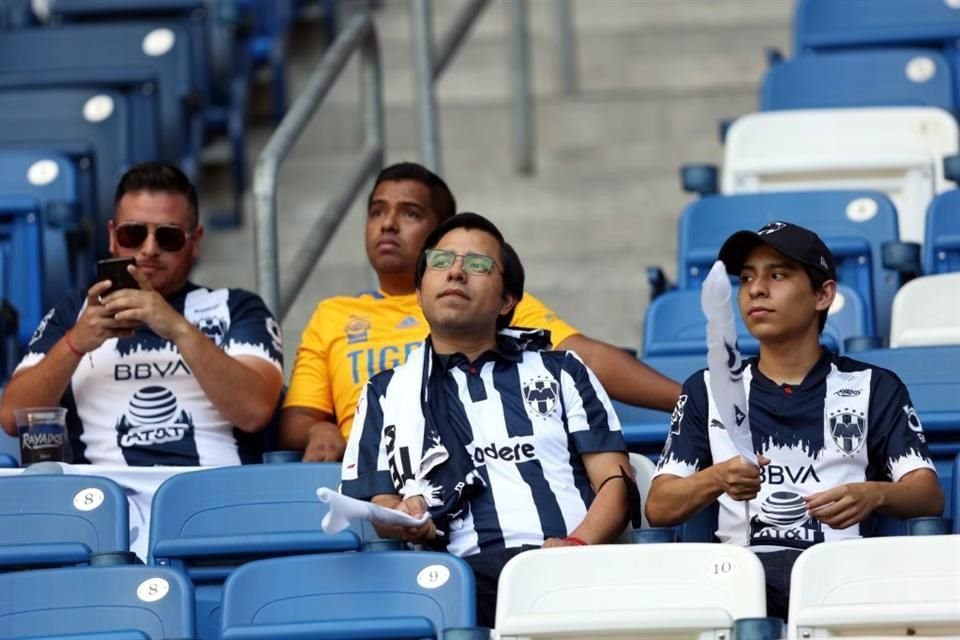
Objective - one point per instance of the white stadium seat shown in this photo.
(926, 312)
(894, 587)
(643, 470)
(689, 590)
(898, 151)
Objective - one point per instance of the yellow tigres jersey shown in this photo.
(350, 339)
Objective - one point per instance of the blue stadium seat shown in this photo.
(109, 603)
(855, 225)
(126, 56)
(932, 377)
(60, 520)
(645, 430)
(7, 461)
(397, 594)
(209, 522)
(221, 62)
(953, 503)
(675, 325)
(51, 180)
(828, 24)
(882, 78)
(93, 127)
(941, 249)
(21, 251)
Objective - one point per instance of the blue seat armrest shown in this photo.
(700, 178)
(44, 554)
(658, 282)
(390, 628)
(951, 167)
(905, 257)
(929, 526)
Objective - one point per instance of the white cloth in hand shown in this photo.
(343, 508)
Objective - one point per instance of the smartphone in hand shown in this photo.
(115, 270)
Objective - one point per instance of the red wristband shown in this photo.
(70, 344)
(580, 542)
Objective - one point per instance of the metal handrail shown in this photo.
(429, 62)
(359, 33)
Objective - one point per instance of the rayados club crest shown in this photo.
(542, 395)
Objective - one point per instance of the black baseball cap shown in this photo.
(791, 240)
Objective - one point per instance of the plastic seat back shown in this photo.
(210, 522)
(877, 586)
(855, 225)
(112, 603)
(941, 246)
(926, 312)
(932, 377)
(881, 78)
(827, 24)
(60, 519)
(388, 594)
(90, 126)
(51, 179)
(675, 324)
(896, 150)
(21, 239)
(629, 591)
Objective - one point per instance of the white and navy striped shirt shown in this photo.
(532, 416)
(846, 422)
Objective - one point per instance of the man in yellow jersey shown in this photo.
(351, 338)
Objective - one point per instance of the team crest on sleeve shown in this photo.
(848, 429)
(276, 337)
(541, 395)
(42, 326)
(677, 416)
(913, 421)
(214, 327)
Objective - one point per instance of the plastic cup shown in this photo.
(43, 434)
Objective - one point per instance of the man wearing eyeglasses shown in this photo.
(167, 373)
(351, 338)
(507, 445)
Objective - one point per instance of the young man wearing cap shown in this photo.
(838, 439)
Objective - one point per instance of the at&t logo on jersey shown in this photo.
(152, 418)
(783, 517)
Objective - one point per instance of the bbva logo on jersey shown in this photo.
(542, 394)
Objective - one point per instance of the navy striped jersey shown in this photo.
(134, 400)
(846, 422)
(532, 415)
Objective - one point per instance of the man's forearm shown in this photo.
(917, 494)
(40, 385)
(674, 500)
(243, 396)
(624, 377)
(606, 517)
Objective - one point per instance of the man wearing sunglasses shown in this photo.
(163, 373)
(351, 338)
(506, 444)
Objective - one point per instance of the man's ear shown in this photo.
(826, 295)
(508, 303)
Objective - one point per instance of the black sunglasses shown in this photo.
(132, 235)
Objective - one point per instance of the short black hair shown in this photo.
(442, 202)
(158, 177)
(509, 262)
(817, 279)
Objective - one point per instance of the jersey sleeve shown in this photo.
(532, 313)
(592, 423)
(54, 324)
(365, 472)
(687, 449)
(253, 329)
(311, 385)
(897, 444)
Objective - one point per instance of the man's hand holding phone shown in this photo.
(97, 323)
(143, 305)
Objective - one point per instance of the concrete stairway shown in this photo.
(655, 78)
